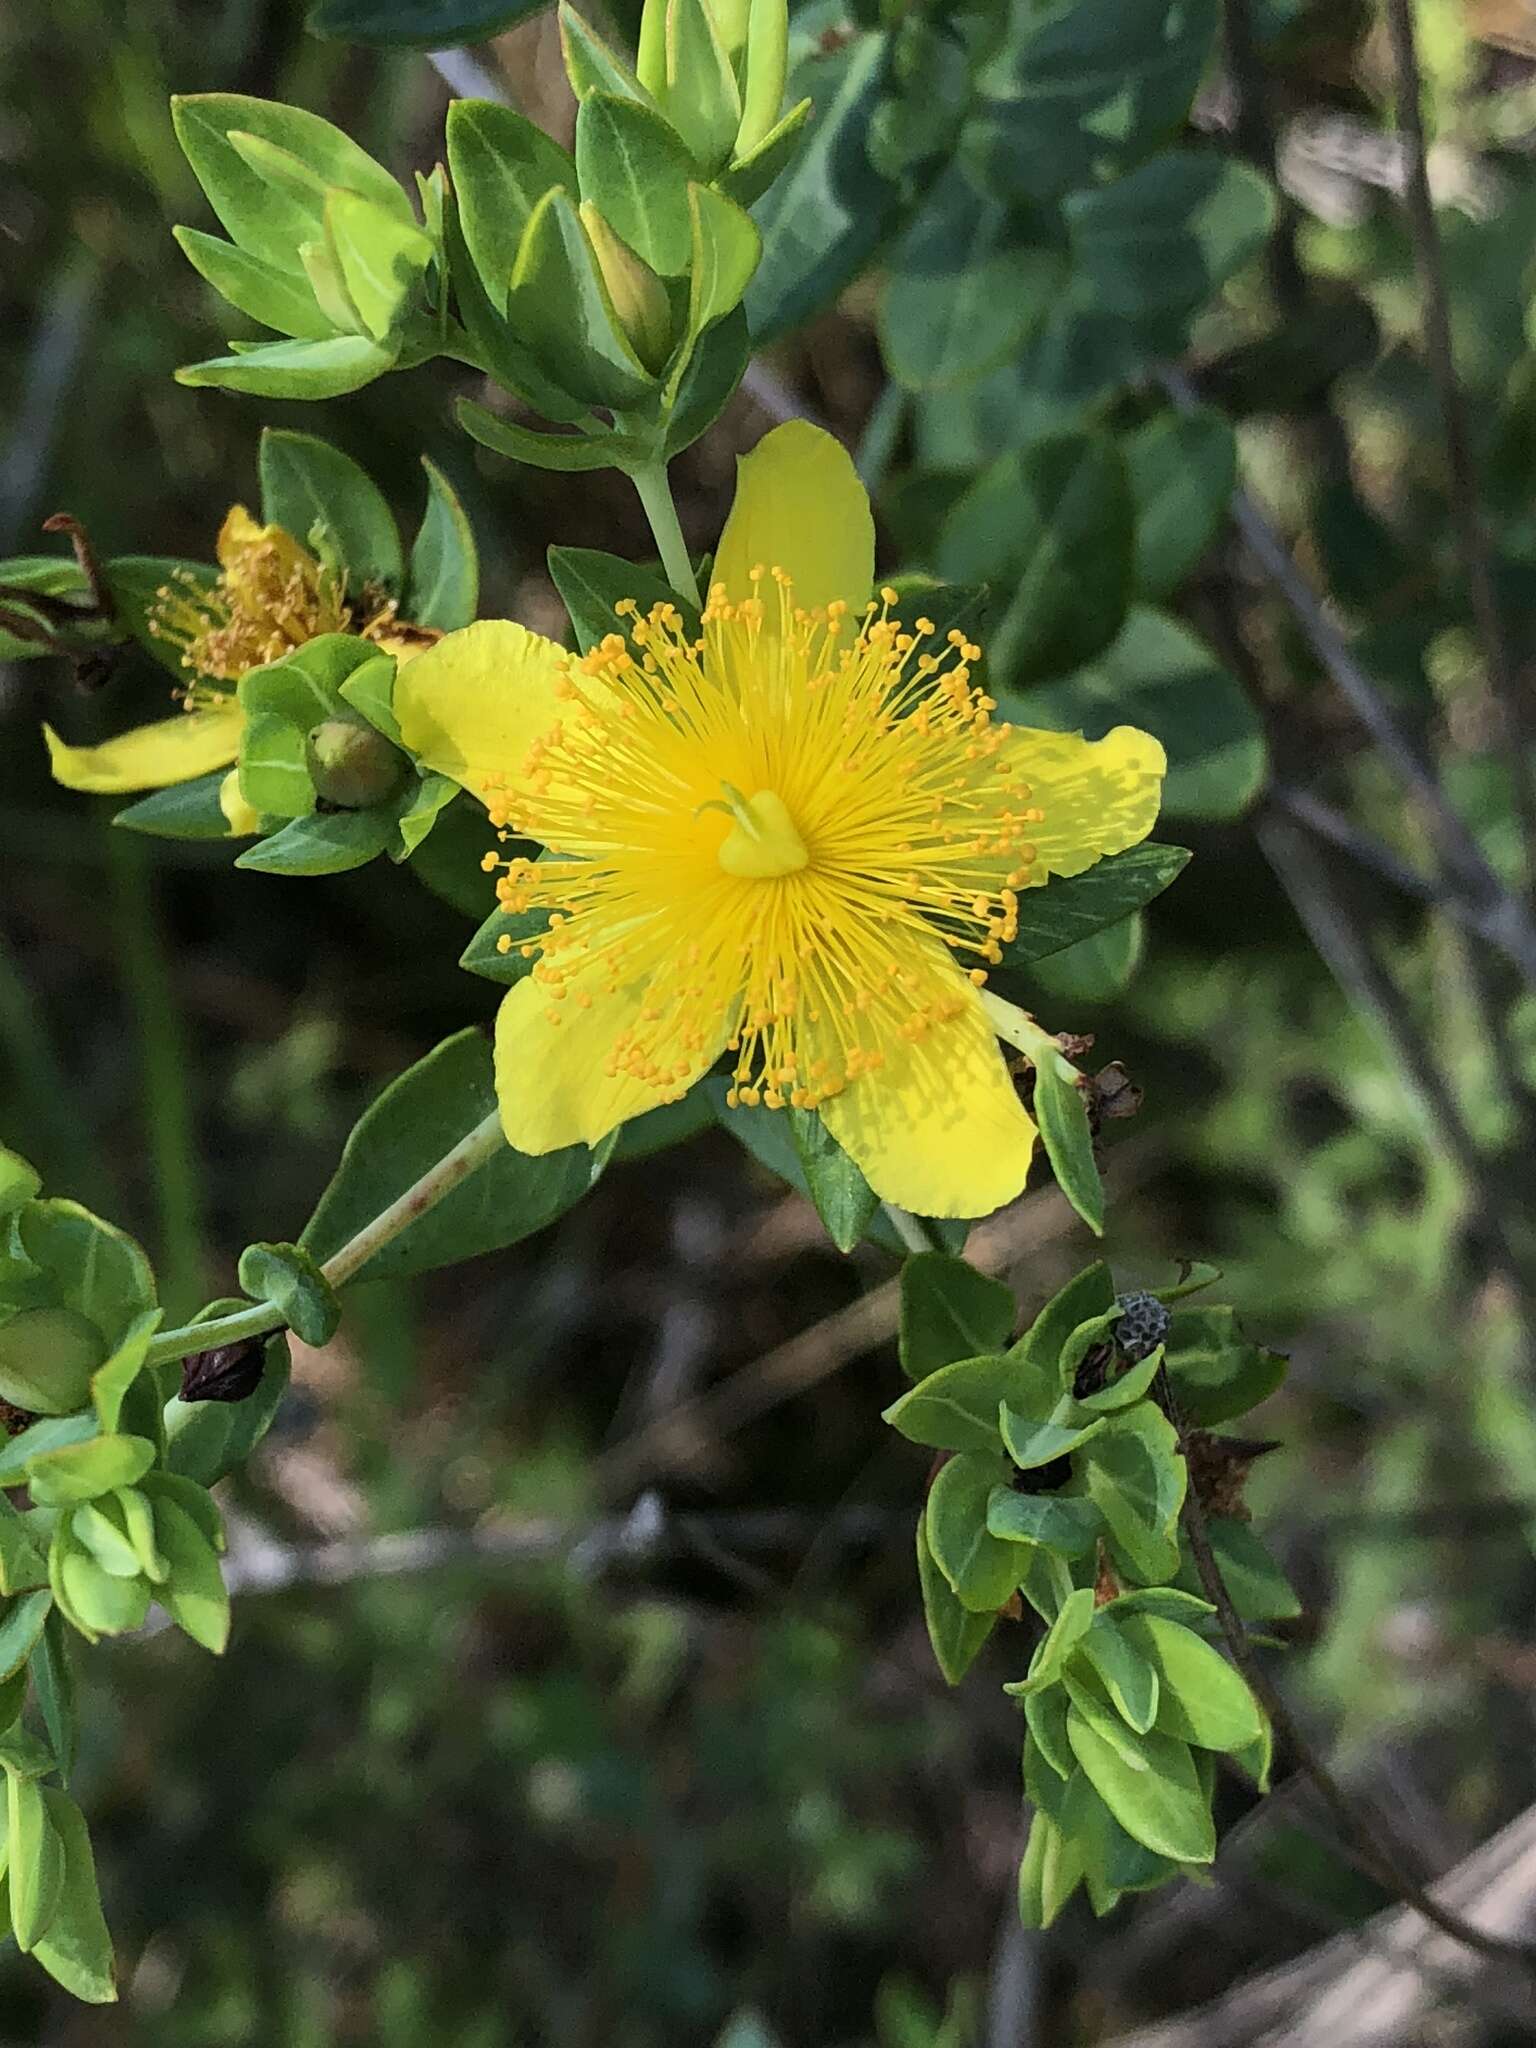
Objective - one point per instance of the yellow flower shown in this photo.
(271, 596)
(798, 837)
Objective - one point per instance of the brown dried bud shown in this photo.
(229, 1372)
(1218, 1470)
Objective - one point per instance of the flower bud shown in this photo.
(229, 1372)
(351, 765)
(638, 295)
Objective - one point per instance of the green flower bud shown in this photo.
(638, 295)
(47, 1356)
(351, 765)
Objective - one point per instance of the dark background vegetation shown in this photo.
(686, 1774)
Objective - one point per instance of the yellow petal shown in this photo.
(553, 1059)
(801, 508)
(242, 818)
(149, 756)
(937, 1127)
(1098, 796)
(241, 537)
(473, 705)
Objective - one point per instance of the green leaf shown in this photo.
(956, 1634)
(1052, 524)
(561, 310)
(1216, 1372)
(76, 1950)
(1136, 1478)
(569, 452)
(331, 504)
(416, 24)
(1160, 1803)
(187, 810)
(702, 99)
(726, 251)
(1059, 1520)
(1045, 1714)
(47, 1357)
(591, 584)
(74, 1472)
(194, 1596)
(295, 369)
(274, 766)
(956, 1407)
(1165, 238)
(53, 1681)
(38, 1437)
(91, 1265)
(636, 169)
(1049, 1873)
(1128, 1675)
(1157, 675)
(715, 369)
(1259, 1588)
(1096, 969)
(1130, 1386)
(20, 1626)
(418, 809)
(1032, 1443)
(590, 64)
(1183, 471)
(750, 176)
(34, 1860)
(418, 1118)
(830, 210)
(1056, 1645)
(370, 691)
(1072, 909)
(949, 1311)
(291, 1280)
(326, 843)
(765, 1133)
(1203, 1699)
(964, 288)
(23, 1565)
(484, 954)
(277, 297)
(22, 1752)
(1087, 87)
(502, 165)
(982, 1569)
(19, 1181)
(442, 586)
(844, 1199)
(1062, 1115)
(267, 219)
(207, 1439)
(112, 1379)
(192, 1497)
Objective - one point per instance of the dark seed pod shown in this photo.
(229, 1372)
(1143, 1325)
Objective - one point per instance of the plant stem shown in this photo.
(455, 1167)
(656, 496)
(908, 1228)
(1372, 1856)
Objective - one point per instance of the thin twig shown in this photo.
(1507, 919)
(1374, 1857)
(1466, 503)
(1361, 976)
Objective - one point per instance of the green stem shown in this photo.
(656, 496)
(455, 1167)
(908, 1228)
(1018, 1029)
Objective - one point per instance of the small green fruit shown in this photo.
(351, 765)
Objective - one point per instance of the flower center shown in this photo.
(866, 744)
(763, 842)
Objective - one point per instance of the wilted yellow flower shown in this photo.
(271, 596)
(798, 837)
